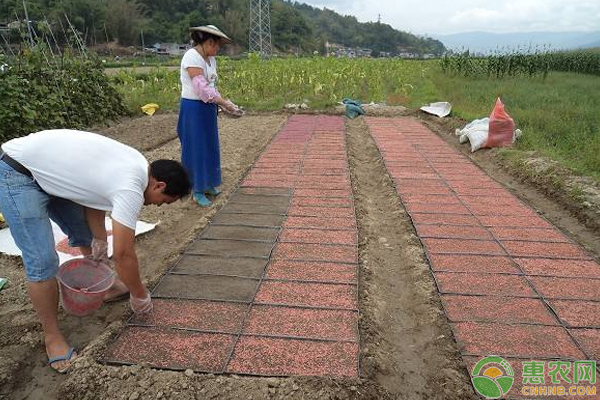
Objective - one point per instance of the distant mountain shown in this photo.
(595, 45)
(328, 25)
(485, 42)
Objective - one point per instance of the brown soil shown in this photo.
(407, 345)
(408, 350)
(114, 49)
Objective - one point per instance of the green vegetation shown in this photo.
(538, 63)
(557, 111)
(39, 92)
(583, 62)
(328, 25)
(156, 86)
(296, 28)
(268, 85)
(150, 60)
(319, 81)
(558, 115)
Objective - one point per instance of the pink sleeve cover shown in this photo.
(203, 90)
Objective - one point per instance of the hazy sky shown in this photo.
(453, 16)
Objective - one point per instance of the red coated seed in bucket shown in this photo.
(83, 284)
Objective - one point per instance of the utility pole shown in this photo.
(260, 28)
(143, 46)
(105, 33)
(28, 24)
(379, 18)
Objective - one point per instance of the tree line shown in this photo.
(295, 27)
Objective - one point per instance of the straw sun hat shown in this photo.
(213, 30)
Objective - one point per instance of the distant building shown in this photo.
(363, 52)
(332, 48)
(170, 49)
(338, 50)
(407, 54)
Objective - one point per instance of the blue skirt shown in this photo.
(199, 136)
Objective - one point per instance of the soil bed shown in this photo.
(407, 348)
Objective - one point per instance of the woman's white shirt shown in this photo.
(192, 58)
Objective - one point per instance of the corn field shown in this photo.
(518, 63)
(330, 79)
(268, 84)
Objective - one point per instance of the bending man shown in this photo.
(73, 178)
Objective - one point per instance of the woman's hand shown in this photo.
(229, 106)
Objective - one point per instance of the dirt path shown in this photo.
(416, 356)
(407, 348)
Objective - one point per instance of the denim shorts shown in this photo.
(28, 211)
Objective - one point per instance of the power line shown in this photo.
(260, 28)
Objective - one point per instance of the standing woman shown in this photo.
(197, 126)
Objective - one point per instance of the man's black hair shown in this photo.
(174, 175)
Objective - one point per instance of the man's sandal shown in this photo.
(65, 357)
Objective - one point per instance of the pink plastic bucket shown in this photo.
(83, 284)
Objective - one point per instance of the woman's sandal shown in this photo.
(213, 191)
(201, 199)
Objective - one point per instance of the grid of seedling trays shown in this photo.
(511, 284)
(270, 285)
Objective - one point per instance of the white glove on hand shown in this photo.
(141, 305)
(99, 251)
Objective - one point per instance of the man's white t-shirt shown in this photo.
(192, 58)
(86, 168)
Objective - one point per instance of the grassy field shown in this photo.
(559, 115)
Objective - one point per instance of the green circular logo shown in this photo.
(492, 381)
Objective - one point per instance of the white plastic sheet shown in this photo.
(65, 253)
(441, 108)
